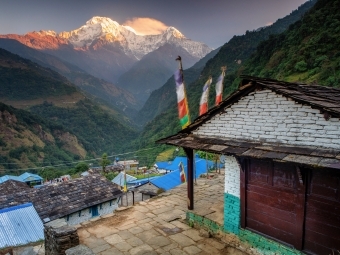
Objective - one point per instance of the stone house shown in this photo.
(282, 169)
(76, 200)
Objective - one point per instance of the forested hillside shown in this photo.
(28, 141)
(233, 55)
(308, 51)
(97, 130)
(24, 80)
(48, 95)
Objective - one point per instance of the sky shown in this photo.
(213, 22)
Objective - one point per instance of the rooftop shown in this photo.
(60, 199)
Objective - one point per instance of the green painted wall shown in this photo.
(232, 210)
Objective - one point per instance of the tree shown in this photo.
(104, 161)
(81, 167)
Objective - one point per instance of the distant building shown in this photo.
(28, 178)
(129, 164)
(76, 200)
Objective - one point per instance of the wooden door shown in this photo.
(322, 220)
(273, 203)
(94, 210)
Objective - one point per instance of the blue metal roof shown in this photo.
(26, 177)
(119, 179)
(172, 179)
(163, 164)
(174, 164)
(20, 225)
(9, 177)
(142, 181)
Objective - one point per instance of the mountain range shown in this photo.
(107, 50)
(300, 47)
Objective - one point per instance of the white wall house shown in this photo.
(282, 167)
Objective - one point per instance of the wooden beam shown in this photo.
(243, 184)
(190, 178)
(301, 207)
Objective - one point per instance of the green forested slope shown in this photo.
(95, 128)
(92, 129)
(28, 141)
(308, 51)
(22, 79)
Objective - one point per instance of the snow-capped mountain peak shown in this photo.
(108, 31)
(174, 32)
(48, 32)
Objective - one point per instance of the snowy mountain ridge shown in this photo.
(133, 44)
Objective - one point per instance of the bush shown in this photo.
(301, 66)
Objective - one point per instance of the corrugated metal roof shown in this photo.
(140, 182)
(10, 177)
(30, 177)
(163, 164)
(172, 179)
(25, 177)
(119, 179)
(19, 225)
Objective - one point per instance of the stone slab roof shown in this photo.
(13, 186)
(60, 199)
(310, 156)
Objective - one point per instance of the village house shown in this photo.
(281, 143)
(76, 200)
(28, 178)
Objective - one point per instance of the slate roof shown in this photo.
(20, 225)
(57, 200)
(12, 186)
(326, 99)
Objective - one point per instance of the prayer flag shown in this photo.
(181, 172)
(182, 103)
(219, 88)
(125, 184)
(205, 97)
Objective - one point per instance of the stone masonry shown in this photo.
(59, 237)
(270, 117)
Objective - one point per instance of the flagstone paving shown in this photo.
(157, 226)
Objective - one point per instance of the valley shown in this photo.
(132, 110)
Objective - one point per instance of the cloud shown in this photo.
(269, 23)
(146, 26)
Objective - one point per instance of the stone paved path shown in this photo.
(157, 226)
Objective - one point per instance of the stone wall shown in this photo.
(59, 237)
(267, 116)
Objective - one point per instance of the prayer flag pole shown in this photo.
(182, 102)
